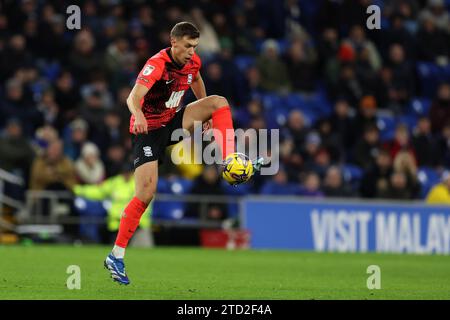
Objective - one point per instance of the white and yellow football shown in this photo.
(238, 168)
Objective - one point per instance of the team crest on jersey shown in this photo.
(148, 69)
(189, 78)
(148, 151)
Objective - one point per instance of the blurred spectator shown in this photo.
(346, 84)
(398, 33)
(89, 167)
(291, 159)
(334, 185)
(367, 148)
(433, 42)
(43, 137)
(53, 170)
(443, 140)
(343, 125)
(359, 42)
(296, 129)
(14, 56)
(280, 185)
(67, 96)
(327, 47)
(367, 115)
(110, 131)
(115, 156)
(330, 139)
(213, 79)
(318, 163)
(402, 77)
(436, 11)
(401, 142)
(397, 188)
(301, 68)
(311, 147)
(16, 152)
(16, 105)
(405, 163)
(51, 110)
(83, 58)
(208, 183)
(274, 73)
(440, 193)
(375, 181)
(311, 185)
(52, 43)
(76, 136)
(440, 108)
(243, 38)
(210, 42)
(425, 144)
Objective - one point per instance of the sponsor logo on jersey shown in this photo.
(189, 80)
(148, 69)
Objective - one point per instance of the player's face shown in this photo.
(183, 48)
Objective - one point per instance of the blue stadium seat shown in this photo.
(271, 101)
(243, 62)
(168, 210)
(88, 209)
(272, 188)
(171, 209)
(431, 75)
(419, 106)
(409, 120)
(428, 177)
(352, 175)
(179, 186)
(386, 124)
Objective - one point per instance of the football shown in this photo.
(238, 168)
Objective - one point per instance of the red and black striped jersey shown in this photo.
(168, 82)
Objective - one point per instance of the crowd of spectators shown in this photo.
(64, 118)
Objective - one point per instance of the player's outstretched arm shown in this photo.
(134, 105)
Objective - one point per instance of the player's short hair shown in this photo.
(184, 28)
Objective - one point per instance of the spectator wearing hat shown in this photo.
(89, 167)
(367, 115)
(274, 74)
(75, 137)
(440, 193)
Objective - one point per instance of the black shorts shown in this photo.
(152, 146)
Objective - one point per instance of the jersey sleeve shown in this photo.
(150, 73)
(199, 62)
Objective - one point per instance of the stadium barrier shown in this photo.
(346, 225)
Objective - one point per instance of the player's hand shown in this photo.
(140, 123)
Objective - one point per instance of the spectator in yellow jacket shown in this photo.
(118, 189)
(440, 193)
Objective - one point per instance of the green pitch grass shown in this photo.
(39, 272)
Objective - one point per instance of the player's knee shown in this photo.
(219, 102)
